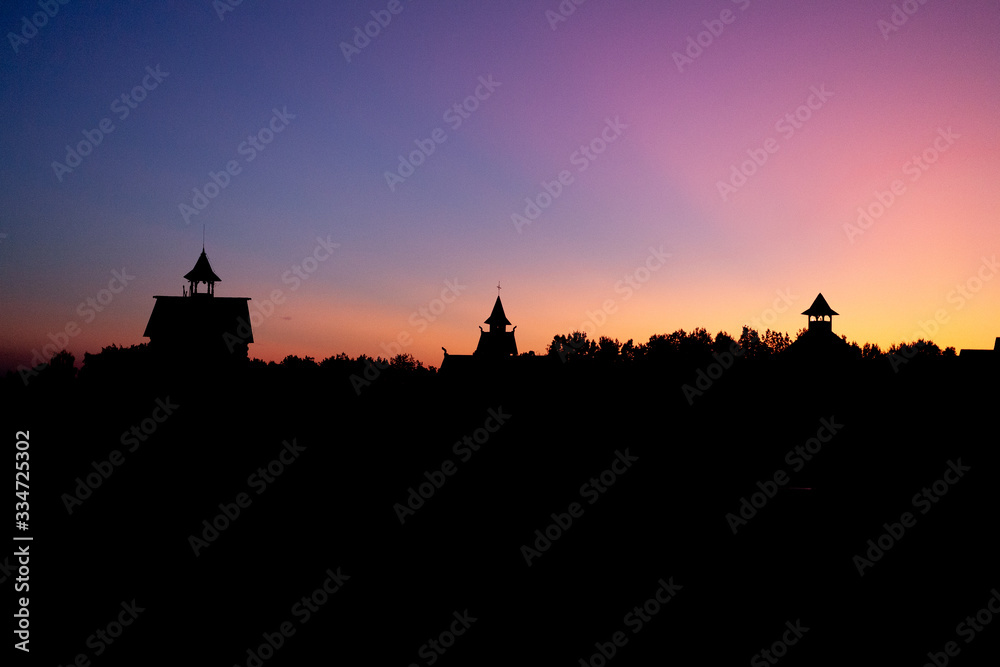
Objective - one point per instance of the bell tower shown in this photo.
(820, 315)
(202, 273)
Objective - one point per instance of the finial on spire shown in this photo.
(498, 288)
(203, 237)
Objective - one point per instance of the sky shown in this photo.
(368, 172)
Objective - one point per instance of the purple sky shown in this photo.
(664, 219)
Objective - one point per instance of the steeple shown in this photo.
(497, 320)
(202, 273)
(820, 315)
(495, 346)
(497, 342)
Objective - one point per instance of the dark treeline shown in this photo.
(548, 495)
(685, 349)
(699, 344)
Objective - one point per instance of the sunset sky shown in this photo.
(714, 157)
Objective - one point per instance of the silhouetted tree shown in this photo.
(575, 345)
(695, 345)
(295, 362)
(753, 347)
(919, 349)
(115, 361)
(723, 343)
(871, 351)
(405, 362)
(661, 348)
(630, 352)
(776, 342)
(338, 364)
(608, 350)
(61, 367)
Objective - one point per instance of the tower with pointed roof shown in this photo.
(199, 326)
(820, 316)
(202, 273)
(497, 342)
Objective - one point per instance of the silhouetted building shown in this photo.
(497, 342)
(199, 326)
(820, 315)
(495, 346)
(819, 344)
(982, 356)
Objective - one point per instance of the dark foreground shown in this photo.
(599, 520)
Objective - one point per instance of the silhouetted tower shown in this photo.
(199, 326)
(202, 273)
(820, 315)
(497, 342)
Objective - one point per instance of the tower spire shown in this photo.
(820, 315)
(497, 342)
(202, 273)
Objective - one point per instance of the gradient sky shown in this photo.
(929, 87)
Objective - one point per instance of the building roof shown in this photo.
(190, 319)
(820, 308)
(202, 271)
(493, 345)
(497, 317)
